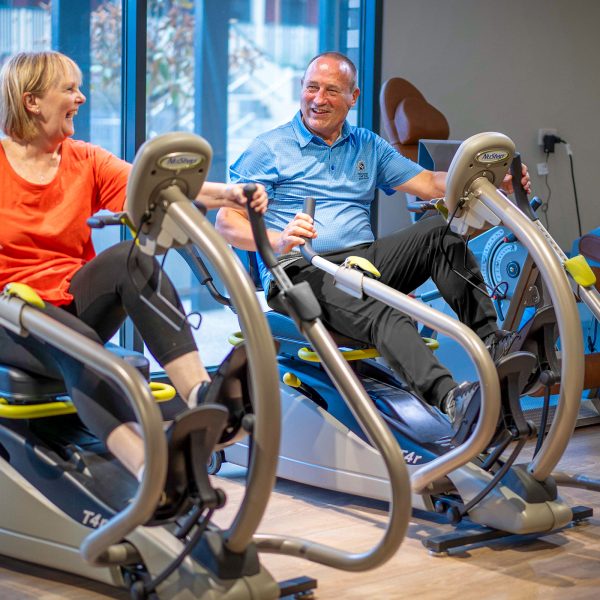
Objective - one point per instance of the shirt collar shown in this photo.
(305, 136)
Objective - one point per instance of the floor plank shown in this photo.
(565, 564)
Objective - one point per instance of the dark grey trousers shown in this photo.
(406, 260)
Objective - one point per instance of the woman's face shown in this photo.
(57, 107)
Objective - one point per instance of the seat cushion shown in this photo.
(20, 387)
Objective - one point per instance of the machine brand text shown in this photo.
(492, 156)
(93, 519)
(179, 161)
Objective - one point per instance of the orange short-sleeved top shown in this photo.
(44, 238)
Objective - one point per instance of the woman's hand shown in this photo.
(234, 197)
(218, 195)
(507, 183)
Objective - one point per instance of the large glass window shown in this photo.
(90, 33)
(230, 70)
(227, 70)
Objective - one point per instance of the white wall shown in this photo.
(512, 66)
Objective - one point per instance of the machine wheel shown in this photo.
(215, 462)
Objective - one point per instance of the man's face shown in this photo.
(327, 96)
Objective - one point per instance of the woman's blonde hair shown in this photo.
(29, 72)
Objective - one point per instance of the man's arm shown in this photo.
(432, 184)
(426, 185)
(233, 224)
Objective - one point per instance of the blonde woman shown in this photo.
(49, 185)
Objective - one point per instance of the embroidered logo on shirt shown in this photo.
(361, 170)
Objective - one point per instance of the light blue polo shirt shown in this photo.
(292, 164)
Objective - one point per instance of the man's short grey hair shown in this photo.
(341, 58)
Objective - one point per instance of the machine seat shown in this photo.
(21, 387)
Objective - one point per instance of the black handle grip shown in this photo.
(259, 231)
(306, 249)
(516, 168)
(100, 221)
(309, 206)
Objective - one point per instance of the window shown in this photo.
(90, 33)
(227, 70)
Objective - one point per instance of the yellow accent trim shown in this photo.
(125, 220)
(580, 271)
(361, 264)
(161, 392)
(35, 411)
(236, 338)
(357, 354)
(25, 293)
(440, 205)
(291, 380)
(311, 356)
(431, 343)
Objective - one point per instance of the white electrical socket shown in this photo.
(543, 132)
(542, 169)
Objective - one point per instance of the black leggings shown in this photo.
(105, 291)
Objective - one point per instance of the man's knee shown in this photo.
(392, 323)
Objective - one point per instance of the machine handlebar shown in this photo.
(259, 231)
(100, 221)
(520, 194)
(307, 250)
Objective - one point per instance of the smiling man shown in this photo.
(319, 154)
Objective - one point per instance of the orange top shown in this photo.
(44, 238)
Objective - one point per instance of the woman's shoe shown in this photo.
(229, 388)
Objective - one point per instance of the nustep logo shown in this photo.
(180, 161)
(492, 156)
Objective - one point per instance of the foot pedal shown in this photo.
(191, 439)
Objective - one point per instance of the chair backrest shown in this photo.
(407, 117)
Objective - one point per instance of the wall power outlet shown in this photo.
(543, 132)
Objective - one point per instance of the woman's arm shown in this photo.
(231, 195)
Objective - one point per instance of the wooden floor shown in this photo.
(563, 565)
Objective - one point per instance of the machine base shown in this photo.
(440, 544)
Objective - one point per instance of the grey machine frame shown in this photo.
(167, 172)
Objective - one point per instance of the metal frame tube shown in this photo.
(361, 405)
(263, 366)
(147, 413)
(486, 371)
(377, 431)
(572, 367)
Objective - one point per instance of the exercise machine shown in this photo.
(69, 505)
(490, 490)
(511, 278)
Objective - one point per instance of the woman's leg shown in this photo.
(121, 282)
(100, 405)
